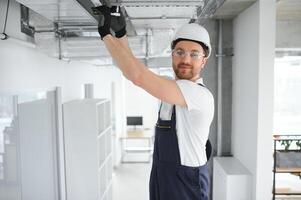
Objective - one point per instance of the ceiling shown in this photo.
(68, 29)
(288, 9)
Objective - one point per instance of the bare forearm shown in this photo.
(130, 66)
(161, 88)
(125, 43)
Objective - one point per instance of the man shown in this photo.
(179, 170)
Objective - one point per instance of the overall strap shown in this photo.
(201, 84)
(208, 143)
(173, 115)
(159, 112)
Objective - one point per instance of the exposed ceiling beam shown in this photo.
(87, 5)
(162, 17)
(158, 3)
(229, 9)
(131, 31)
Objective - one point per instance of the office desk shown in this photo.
(138, 134)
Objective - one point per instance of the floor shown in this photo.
(130, 181)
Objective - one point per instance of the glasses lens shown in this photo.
(181, 53)
(195, 55)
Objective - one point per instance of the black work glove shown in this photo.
(118, 24)
(104, 21)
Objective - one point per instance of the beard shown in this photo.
(183, 71)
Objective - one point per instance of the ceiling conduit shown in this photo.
(74, 23)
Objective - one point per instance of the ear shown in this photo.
(204, 62)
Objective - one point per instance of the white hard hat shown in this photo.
(195, 32)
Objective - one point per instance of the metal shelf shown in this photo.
(292, 170)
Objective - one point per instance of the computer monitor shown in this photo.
(134, 121)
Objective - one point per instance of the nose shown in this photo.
(186, 58)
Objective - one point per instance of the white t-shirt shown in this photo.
(193, 121)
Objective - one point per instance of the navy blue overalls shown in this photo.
(169, 180)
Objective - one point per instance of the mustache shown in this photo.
(184, 65)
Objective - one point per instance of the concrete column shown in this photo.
(252, 122)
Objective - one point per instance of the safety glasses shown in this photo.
(194, 55)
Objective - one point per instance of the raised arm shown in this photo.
(134, 70)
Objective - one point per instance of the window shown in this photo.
(287, 95)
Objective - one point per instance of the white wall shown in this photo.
(267, 40)
(24, 68)
(245, 70)
(252, 123)
(140, 103)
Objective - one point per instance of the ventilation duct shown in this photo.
(66, 30)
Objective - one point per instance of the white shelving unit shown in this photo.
(30, 154)
(37, 150)
(88, 149)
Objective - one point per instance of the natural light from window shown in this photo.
(287, 96)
